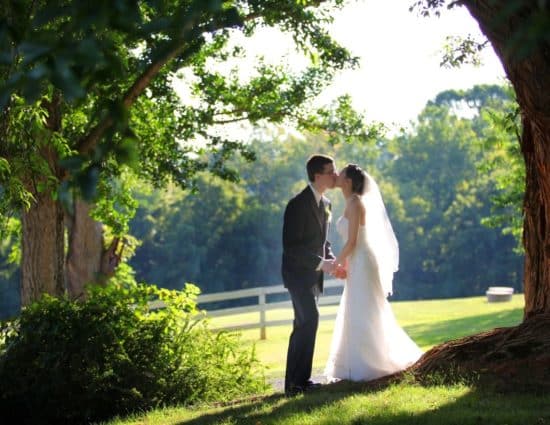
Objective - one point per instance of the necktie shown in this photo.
(321, 208)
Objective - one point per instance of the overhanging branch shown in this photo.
(92, 138)
(88, 142)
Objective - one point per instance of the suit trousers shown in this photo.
(302, 339)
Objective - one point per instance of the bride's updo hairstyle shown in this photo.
(358, 178)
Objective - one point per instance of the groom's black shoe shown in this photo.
(310, 386)
(294, 390)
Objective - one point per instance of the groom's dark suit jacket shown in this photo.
(305, 242)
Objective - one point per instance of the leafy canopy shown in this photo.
(96, 85)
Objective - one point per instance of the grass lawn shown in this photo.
(407, 403)
(354, 404)
(427, 322)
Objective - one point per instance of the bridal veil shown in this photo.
(379, 235)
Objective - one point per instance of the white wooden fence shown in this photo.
(262, 306)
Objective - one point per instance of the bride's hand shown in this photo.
(340, 272)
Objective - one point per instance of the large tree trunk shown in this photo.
(87, 259)
(43, 256)
(530, 76)
(85, 249)
(536, 233)
(42, 249)
(515, 358)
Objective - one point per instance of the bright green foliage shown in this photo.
(25, 126)
(113, 66)
(435, 184)
(446, 196)
(62, 361)
(10, 254)
(90, 92)
(228, 236)
(497, 127)
(506, 167)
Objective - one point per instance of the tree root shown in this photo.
(507, 359)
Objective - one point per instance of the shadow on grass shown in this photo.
(272, 409)
(429, 334)
(476, 406)
(472, 408)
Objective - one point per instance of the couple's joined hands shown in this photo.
(334, 269)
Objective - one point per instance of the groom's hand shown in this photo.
(328, 266)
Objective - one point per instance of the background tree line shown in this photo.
(448, 183)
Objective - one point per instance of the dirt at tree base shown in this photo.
(515, 359)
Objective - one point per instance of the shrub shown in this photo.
(74, 362)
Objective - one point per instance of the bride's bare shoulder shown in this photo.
(355, 201)
(359, 208)
(353, 206)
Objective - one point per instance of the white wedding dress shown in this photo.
(367, 343)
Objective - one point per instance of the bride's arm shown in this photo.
(355, 211)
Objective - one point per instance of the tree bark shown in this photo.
(42, 259)
(515, 358)
(536, 235)
(42, 249)
(530, 77)
(88, 261)
(85, 249)
(508, 359)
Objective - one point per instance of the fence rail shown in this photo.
(262, 305)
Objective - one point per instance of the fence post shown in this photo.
(262, 303)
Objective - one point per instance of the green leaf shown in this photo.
(64, 78)
(126, 152)
(88, 181)
(5, 169)
(30, 51)
(72, 163)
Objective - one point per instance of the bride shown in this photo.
(367, 342)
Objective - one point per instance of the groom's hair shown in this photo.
(316, 165)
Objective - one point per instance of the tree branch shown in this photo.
(88, 142)
(92, 138)
(252, 16)
(228, 121)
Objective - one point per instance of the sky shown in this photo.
(400, 54)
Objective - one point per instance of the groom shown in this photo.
(306, 256)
